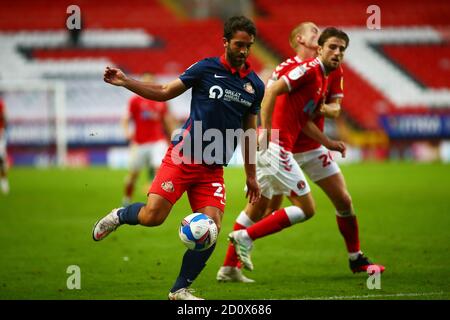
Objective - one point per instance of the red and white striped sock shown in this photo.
(242, 222)
(276, 222)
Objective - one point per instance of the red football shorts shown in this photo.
(204, 184)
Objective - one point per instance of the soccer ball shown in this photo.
(198, 231)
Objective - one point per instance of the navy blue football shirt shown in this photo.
(221, 98)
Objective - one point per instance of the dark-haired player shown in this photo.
(226, 97)
(289, 101)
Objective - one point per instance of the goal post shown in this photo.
(36, 117)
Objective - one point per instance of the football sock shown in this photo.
(129, 214)
(354, 255)
(129, 188)
(348, 226)
(275, 222)
(193, 263)
(242, 222)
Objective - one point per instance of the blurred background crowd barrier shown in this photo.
(60, 112)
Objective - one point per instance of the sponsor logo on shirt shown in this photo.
(216, 92)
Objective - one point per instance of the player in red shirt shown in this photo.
(318, 164)
(303, 40)
(287, 106)
(153, 124)
(4, 184)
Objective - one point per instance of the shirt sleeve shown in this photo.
(297, 77)
(132, 107)
(163, 109)
(256, 106)
(193, 74)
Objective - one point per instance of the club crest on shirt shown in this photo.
(167, 186)
(249, 88)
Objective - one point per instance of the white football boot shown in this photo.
(232, 274)
(106, 225)
(243, 246)
(183, 294)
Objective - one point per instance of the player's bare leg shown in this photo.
(151, 214)
(335, 188)
(155, 212)
(130, 182)
(256, 211)
(274, 204)
(306, 203)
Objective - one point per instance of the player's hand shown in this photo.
(253, 190)
(321, 110)
(318, 112)
(337, 146)
(114, 76)
(263, 139)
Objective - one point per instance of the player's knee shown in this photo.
(344, 202)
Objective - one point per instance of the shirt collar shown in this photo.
(321, 66)
(243, 72)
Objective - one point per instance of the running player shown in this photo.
(226, 96)
(317, 162)
(319, 166)
(301, 88)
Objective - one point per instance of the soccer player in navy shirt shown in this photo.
(226, 97)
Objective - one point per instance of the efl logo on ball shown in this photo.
(198, 231)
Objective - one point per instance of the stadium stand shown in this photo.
(410, 29)
(387, 71)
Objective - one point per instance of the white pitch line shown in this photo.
(368, 296)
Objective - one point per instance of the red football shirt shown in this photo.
(147, 116)
(2, 115)
(335, 90)
(307, 87)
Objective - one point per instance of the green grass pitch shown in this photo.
(46, 221)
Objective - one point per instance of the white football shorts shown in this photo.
(3, 146)
(317, 164)
(147, 155)
(278, 173)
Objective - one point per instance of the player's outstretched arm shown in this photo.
(311, 130)
(147, 90)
